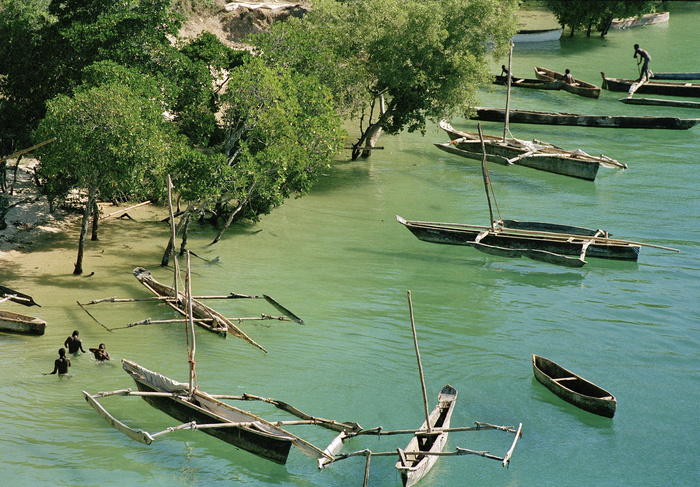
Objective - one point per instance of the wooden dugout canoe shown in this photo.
(573, 388)
(17, 323)
(601, 121)
(413, 466)
(260, 438)
(581, 88)
(534, 84)
(661, 102)
(651, 87)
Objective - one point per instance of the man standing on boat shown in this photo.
(643, 58)
(73, 343)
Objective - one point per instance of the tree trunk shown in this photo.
(183, 244)
(373, 134)
(95, 219)
(606, 27)
(84, 229)
(229, 220)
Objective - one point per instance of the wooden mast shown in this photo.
(510, 76)
(484, 173)
(420, 365)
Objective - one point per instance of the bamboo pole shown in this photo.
(510, 76)
(479, 427)
(124, 210)
(484, 172)
(24, 151)
(190, 328)
(420, 365)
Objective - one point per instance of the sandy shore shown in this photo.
(28, 220)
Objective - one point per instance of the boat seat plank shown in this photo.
(561, 379)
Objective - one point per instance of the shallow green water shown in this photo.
(339, 259)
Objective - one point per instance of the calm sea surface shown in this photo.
(339, 260)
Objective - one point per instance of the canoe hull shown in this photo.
(573, 388)
(581, 88)
(534, 84)
(456, 234)
(419, 465)
(272, 446)
(652, 87)
(660, 102)
(601, 121)
(17, 323)
(646, 19)
(548, 158)
(540, 35)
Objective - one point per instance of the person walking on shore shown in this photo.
(644, 59)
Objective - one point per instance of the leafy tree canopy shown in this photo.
(426, 58)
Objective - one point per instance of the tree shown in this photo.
(600, 13)
(110, 140)
(394, 64)
(281, 131)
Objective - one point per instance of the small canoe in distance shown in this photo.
(537, 35)
(17, 323)
(646, 19)
(660, 102)
(669, 88)
(534, 84)
(677, 76)
(573, 388)
(578, 87)
(412, 465)
(610, 121)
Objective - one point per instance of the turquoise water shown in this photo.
(339, 260)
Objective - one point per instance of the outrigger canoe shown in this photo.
(207, 317)
(536, 154)
(198, 410)
(413, 464)
(573, 388)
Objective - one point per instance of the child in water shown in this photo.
(62, 363)
(101, 353)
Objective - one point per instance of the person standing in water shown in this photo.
(73, 343)
(62, 363)
(101, 353)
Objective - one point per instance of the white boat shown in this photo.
(537, 35)
(646, 19)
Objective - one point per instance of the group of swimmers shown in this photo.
(74, 345)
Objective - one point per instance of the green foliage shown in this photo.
(281, 131)
(108, 139)
(599, 13)
(427, 57)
